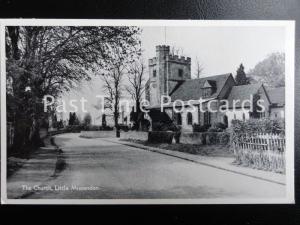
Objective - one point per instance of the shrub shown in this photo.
(74, 128)
(257, 157)
(214, 129)
(92, 128)
(210, 138)
(106, 128)
(177, 136)
(220, 125)
(224, 138)
(123, 127)
(199, 128)
(254, 126)
(160, 137)
(161, 126)
(264, 125)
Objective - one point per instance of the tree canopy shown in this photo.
(48, 60)
(241, 78)
(270, 71)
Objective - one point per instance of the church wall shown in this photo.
(277, 113)
(237, 114)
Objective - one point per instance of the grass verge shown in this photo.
(204, 150)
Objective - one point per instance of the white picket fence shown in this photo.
(261, 151)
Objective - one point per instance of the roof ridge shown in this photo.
(224, 74)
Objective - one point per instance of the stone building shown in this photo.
(170, 75)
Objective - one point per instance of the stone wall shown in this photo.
(137, 135)
(191, 138)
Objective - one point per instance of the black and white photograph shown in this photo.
(147, 112)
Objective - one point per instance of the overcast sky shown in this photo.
(219, 49)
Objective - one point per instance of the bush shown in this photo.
(255, 126)
(160, 137)
(92, 128)
(74, 128)
(207, 138)
(220, 125)
(214, 129)
(106, 128)
(199, 128)
(224, 138)
(161, 126)
(264, 125)
(123, 127)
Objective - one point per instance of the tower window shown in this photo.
(180, 73)
(154, 73)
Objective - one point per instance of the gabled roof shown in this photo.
(277, 95)
(242, 93)
(193, 89)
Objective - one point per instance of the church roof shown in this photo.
(193, 89)
(277, 95)
(242, 93)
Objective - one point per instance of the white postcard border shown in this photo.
(289, 100)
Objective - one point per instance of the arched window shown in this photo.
(178, 118)
(225, 120)
(189, 118)
(207, 118)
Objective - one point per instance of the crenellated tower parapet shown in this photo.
(179, 59)
(165, 71)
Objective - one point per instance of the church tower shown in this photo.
(166, 71)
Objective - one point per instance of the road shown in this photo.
(114, 171)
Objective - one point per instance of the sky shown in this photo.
(219, 49)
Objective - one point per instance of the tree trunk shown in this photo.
(138, 112)
(35, 138)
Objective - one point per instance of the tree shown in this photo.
(136, 87)
(270, 71)
(198, 68)
(112, 76)
(76, 119)
(71, 118)
(87, 119)
(103, 120)
(241, 78)
(51, 60)
(54, 121)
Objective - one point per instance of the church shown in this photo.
(170, 75)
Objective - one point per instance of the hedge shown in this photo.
(208, 138)
(214, 138)
(160, 136)
(253, 126)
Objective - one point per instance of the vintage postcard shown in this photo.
(147, 112)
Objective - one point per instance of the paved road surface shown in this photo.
(118, 171)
